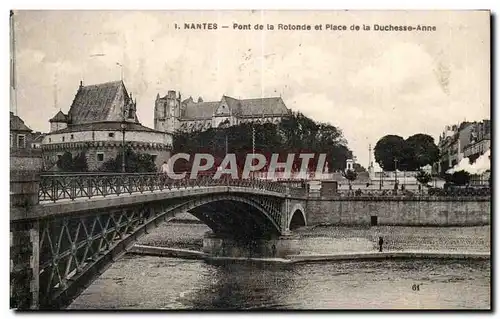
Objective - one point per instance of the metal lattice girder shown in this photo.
(70, 245)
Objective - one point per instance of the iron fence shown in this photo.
(54, 187)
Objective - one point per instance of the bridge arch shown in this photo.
(297, 217)
(234, 216)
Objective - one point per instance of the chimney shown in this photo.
(81, 83)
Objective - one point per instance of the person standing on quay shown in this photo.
(380, 243)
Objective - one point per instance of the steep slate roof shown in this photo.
(104, 126)
(188, 100)
(37, 137)
(268, 106)
(16, 124)
(202, 110)
(244, 108)
(98, 103)
(59, 117)
(233, 104)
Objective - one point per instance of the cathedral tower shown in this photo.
(167, 112)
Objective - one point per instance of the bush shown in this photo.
(134, 163)
(69, 164)
(423, 177)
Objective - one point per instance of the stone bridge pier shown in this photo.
(293, 216)
(24, 242)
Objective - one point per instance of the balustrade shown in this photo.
(54, 187)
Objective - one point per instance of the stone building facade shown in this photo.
(21, 136)
(100, 120)
(25, 155)
(174, 114)
(480, 140)
(469, 139)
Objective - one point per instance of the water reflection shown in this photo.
(243, 286)
(163, 283)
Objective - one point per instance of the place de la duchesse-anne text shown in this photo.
(391, 27)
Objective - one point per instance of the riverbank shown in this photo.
(403, 238)
(191, 254)
(319, 239)
(176, 235)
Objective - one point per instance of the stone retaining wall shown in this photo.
(399, 211)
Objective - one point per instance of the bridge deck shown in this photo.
(64, 206)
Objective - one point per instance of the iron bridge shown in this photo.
(84, 222)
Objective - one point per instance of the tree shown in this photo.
(421, 151)
(65, 162)
(295, 134)
(338, 156)
(80, 163)
(350, 175)
(69, 164)
(411, 154)
(387, 149)
(134, 163)
(460, 178)
(423, 177)
(358, 168)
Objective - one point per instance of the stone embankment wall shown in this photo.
(399, 211)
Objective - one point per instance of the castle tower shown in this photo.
(167, 112)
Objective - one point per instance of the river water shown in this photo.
(147, 282)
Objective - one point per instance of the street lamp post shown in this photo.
(253, 144)
(123, 126)
(253, 139)
(395, 172)
(381, 176)
(404, 175)
(226, 142)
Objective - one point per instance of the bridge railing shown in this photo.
(54, 187)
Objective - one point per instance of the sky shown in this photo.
(367, 83)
